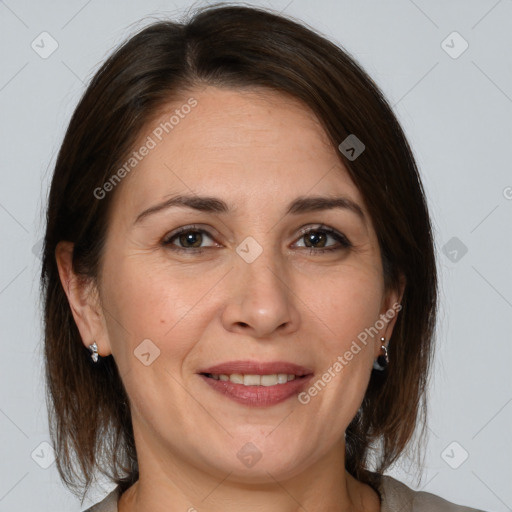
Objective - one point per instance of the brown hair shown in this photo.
(235, 47)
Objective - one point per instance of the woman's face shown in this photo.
(244, 291)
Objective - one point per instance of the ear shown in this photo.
(391, 307)
(84, 301)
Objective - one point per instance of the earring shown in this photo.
(382, 361)
(94, 352)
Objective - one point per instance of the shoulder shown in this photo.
(107, 504)
(397, 496)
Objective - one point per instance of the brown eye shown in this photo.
(314, 237)
(188, 239)
(193, 237)
(319, 236)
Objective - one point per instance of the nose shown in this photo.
(261, 302)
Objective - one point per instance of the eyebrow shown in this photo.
(303, 204)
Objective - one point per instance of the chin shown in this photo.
(261, 462)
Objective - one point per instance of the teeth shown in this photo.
(249, 380)
(268, 380)
(255, 380)
(236, 378)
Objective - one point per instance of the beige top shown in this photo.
(395, 497)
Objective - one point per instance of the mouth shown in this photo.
(254, 379)
(256, 383)
(247, 367)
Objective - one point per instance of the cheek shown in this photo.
(144, 303)
(348, 308)
(348, 303)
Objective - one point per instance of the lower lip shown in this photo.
(258, 396)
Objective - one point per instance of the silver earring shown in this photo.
(382, 361)
(94, 352)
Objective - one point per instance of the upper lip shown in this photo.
(257, 368)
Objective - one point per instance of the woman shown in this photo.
(260, 366)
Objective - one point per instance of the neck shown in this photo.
(171, 485)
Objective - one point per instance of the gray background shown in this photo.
(456, 113)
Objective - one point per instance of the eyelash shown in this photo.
(345, 243)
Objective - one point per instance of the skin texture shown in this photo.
(258, 151)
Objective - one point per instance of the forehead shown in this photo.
(252, 146)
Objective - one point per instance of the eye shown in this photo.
(319, 235)
(189, 238)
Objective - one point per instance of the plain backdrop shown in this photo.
(445, 68)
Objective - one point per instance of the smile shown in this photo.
(253, 379)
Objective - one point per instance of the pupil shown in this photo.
(189, 237)
(314, 238)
